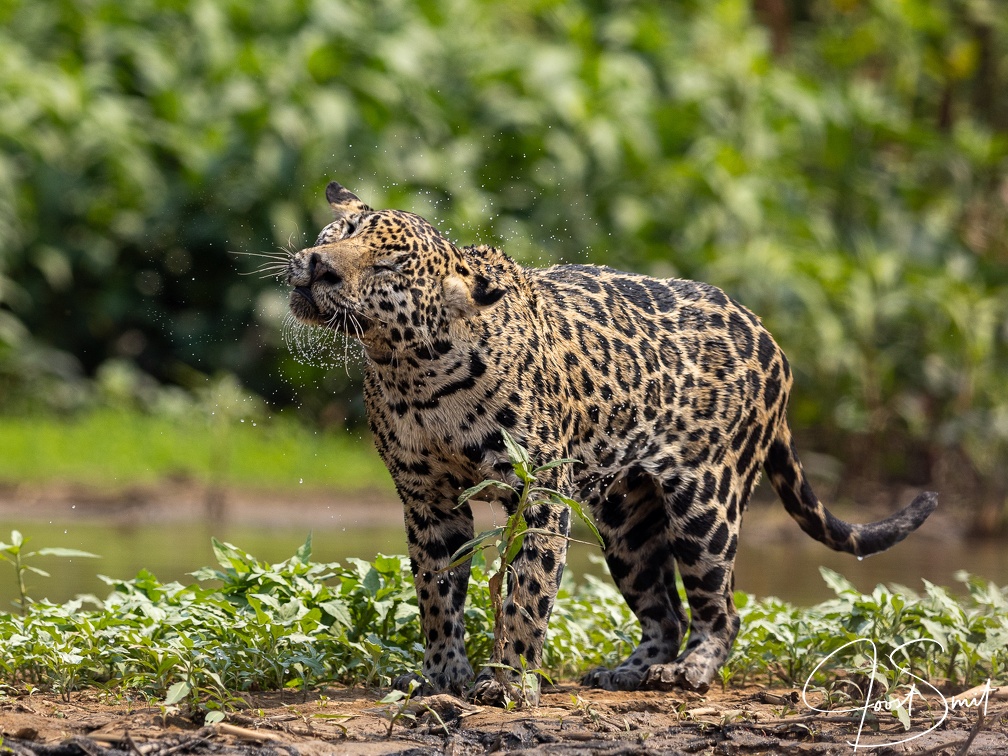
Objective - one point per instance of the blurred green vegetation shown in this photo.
(136, 432)
(839, 166)
(112, 449)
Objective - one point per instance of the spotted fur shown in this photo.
(670, 394)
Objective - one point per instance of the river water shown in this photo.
(775, 558)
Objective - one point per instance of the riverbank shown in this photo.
(570, 721)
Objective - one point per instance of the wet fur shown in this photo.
(670, 394)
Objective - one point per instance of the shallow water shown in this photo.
(787, 569)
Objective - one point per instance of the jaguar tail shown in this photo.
(788, 479)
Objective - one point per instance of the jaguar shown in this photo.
(670, 395)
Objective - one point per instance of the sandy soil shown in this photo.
(570, 720)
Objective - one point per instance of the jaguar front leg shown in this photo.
(533, 580)
(434, 532)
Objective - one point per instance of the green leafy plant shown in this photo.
(786, 643)
(247, 625)
(507, 540)
(14, 554)
(398, 706)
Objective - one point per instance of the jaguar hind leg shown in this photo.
(632, 519)
(713, 628)
(705, 552)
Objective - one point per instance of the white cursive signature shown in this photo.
(891, 704)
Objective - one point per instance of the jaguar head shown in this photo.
(385, 277)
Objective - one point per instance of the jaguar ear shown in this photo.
(489, 264)
(464, 298)
(343, 201)
(484, 293)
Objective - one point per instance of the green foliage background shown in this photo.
(840, 166)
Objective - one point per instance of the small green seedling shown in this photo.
(13, 553)
(507, 541)
(399, 709)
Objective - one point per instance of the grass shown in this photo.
(249, 625)
(117, 448)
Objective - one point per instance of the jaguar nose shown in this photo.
(330, 277)
(319, 271)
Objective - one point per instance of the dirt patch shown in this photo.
(570, 720)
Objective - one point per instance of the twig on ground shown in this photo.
(974, 693)
(246, 734)
(973, 733)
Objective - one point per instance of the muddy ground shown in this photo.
(570, 720)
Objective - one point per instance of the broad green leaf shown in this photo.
(60, 552)
(213, 717)
(838, 583)
(266, 600)
(206, 573)
(372, 581)
(471, 492)
(338, 611)
(255, 601)
(290, 611)
(388, 565)
(514, 536)
(515, 545)
(519, 457)
(578, 510)
(305, 550)
(555, 463)
(229, 556)
(176, 693)
(467, 549)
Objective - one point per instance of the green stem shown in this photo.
(21, 584)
